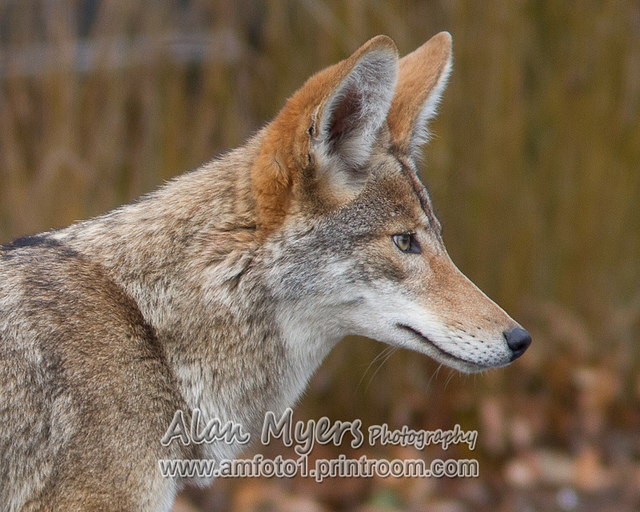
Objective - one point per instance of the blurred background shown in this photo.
(534, 171)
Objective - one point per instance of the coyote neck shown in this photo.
(198, 274)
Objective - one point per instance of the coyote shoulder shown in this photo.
(223, 291)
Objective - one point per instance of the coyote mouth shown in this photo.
(446, 355)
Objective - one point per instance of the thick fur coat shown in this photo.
(225, 289)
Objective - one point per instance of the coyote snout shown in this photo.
(223, 291)
(462, 327)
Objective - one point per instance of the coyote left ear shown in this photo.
(327, 127)
(422, 78)
(346, 123)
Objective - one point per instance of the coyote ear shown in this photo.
(423, 78)
(344, 128)
(326, 130)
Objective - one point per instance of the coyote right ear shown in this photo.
(328, 126)
(423, 77)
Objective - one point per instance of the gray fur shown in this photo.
(178, 301)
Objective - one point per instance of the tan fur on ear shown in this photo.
(285, 149)
(422, 73)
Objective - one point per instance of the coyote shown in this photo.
(224, 290)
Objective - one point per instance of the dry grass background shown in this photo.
(534, 172)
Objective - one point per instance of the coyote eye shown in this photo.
(407, 243)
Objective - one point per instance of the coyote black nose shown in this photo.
(518, 340)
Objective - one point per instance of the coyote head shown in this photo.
(353, 244)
